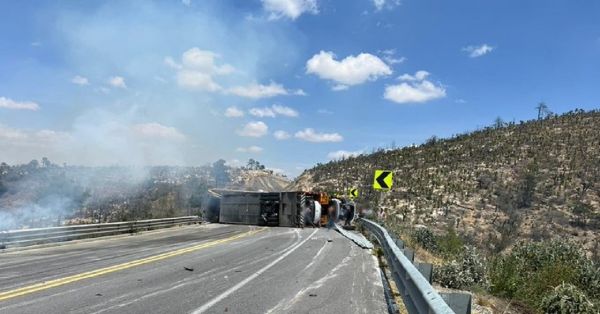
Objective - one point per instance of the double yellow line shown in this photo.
(111, 269)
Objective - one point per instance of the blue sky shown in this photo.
(288, 82)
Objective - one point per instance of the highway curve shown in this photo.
(195, 269)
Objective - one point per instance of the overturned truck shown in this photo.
(285, 209)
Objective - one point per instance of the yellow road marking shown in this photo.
(107, 270)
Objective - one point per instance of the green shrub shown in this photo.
(532, 270)
(565, 299)
(450, 275)
(425, 238)
(450, 244)
(589, 280)
(465, 272)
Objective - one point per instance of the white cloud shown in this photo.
(310, 135)
(262, 112)
(273, 111)
(256, 91)
(117, 81)
(380, 4)
(414, 89)
(393, 60)
(79, 80)
(419, 76)
(478, 51)
(155, 130)
(389, 55)
(204, 61)
(8, 103)
(284, 111)
(250, 149)
(234, 112)
(198, 69)
(289, 8)
(343, 154)
(22, 145)
(352, 70)
(339, 87)
(299, 92)
(281, 135)
(197, 81)
(254, 129)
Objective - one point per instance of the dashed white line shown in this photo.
(242, 283)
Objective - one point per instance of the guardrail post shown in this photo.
(3, 239)
(410, 254)
(399, 243)
(426, 270)
(460, 303)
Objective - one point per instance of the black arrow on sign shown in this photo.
(382, 177)
(353, 192)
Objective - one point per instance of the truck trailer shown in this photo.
(284, 209)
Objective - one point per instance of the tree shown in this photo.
(526, 188)
(34, 164)
(498, 123)
(254, 165)
(3, 189)
(46, 163)
(432, 140)
(251, 164)
(543, 110)
(220, 172)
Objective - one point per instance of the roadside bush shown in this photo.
(565, 299)
(450, 275)
(450, 244)
(531, 270)
(467, 271)
(425, 238)
(589, 280)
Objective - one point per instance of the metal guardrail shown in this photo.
(417, 293)
(359, 239)
(26, 237)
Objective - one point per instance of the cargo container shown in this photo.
(285, 209)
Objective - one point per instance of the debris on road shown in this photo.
(188, 268)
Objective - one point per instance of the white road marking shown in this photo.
(242, 283)
(285, 305)
(315, 257)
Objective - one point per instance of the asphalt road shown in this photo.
(233, 269)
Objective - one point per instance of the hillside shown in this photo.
(41, 194)
(258, 180)
(528, 180)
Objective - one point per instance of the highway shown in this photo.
(208, 268)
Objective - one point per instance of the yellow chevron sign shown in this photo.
(353, 192)
(383, 180)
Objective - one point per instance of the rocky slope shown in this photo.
(535, 179)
